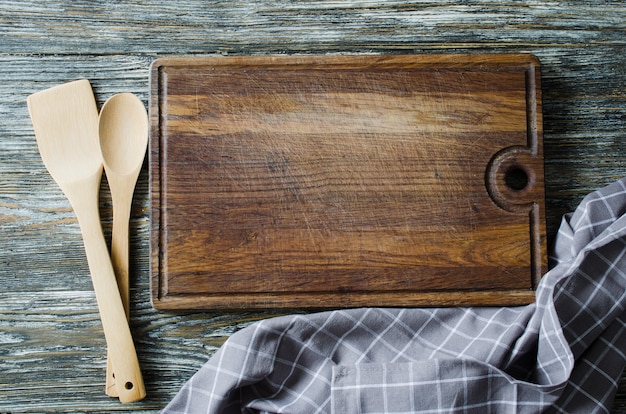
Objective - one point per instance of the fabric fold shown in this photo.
(563, 353)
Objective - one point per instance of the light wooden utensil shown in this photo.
(65, 121)
(123, 130)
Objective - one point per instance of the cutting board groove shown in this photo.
(334, 181)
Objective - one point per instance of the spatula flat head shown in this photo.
(65, 120)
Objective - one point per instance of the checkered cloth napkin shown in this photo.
(565, 353)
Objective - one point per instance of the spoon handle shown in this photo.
(120, 261)
(83, 196)
(119, 250)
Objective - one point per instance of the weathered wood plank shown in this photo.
(240, 26)
(50, 338)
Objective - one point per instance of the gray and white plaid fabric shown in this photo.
(565, 353)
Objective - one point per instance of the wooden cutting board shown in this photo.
(345, 181)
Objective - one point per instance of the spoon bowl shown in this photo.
(123, 131)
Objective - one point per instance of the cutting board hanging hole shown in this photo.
(516, 178)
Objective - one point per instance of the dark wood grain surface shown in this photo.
(52, 351)
(346, 181)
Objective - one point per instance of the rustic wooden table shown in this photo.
(52, 350)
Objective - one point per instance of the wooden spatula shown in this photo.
(65, 120)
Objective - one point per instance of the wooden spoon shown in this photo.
(65, 120)
(123, 130)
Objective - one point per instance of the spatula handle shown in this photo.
(119, 340)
